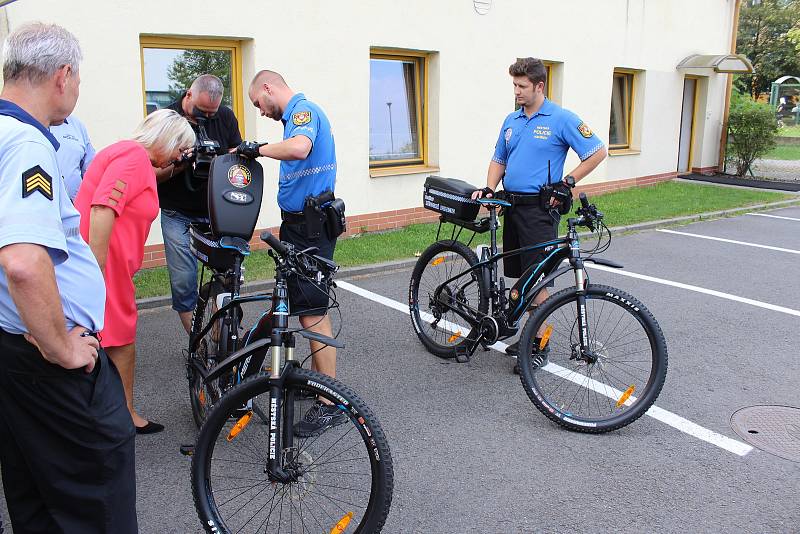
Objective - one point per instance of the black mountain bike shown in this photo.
(601, 358)
(253, 470)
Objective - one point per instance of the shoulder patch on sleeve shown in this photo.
(585, 130)
(301, 117)
(36, 179)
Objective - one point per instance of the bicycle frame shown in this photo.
(506, 312)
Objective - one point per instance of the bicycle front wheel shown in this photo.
(343, 475)
(621, 379)
(436, 306)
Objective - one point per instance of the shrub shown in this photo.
(753, 128)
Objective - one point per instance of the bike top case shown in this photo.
(235, 190)
(450, 197)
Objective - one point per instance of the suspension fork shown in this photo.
(580, 288)
(280, 430)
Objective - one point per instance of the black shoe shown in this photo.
(513, 349)
(319, 418)
(149, 428)
(539, 359)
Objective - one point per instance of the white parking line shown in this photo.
(775, 216)
(779, 249)
(712, 292)
(669, 418)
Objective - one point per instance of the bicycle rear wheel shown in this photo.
(436, 323)
(345, 473)
(609, 393)
(203, 396)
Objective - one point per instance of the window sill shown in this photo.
(400, 171)
(623, 152)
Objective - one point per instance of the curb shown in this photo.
(395, 265)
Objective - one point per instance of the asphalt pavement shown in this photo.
(471, 454)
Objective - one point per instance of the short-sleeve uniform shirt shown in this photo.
(35, 208)
(526, 145)
(121, 177)
(315, 174)
(74, 154)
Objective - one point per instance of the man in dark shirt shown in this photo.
(183, 191)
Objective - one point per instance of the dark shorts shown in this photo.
(305, 297)
(526, 225)
(66, 444)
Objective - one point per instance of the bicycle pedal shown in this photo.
(462, 355)
(187, 450)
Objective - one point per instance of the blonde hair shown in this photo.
(163, 131)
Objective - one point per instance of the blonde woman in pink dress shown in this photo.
(118, 202)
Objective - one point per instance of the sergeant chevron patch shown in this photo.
(36, 179)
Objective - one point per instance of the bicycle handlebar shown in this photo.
(275, 243)
(304, 261)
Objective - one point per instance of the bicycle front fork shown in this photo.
(584, 351)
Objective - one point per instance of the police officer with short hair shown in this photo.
(66, 437)
(529, 155)
(308, 169)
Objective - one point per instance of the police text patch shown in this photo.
(36, 179)
(301, 117)
(585, 130)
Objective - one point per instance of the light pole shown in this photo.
(391, 131)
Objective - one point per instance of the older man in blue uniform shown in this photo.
(66, 436)
(308, 169)
(530, 154)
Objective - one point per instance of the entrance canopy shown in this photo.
(725, 63)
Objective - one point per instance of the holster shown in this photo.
(337, 224)
(316, 211)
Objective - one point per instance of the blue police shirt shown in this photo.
(35, 208)
(525, 145)
(315, 174)
(74, 154)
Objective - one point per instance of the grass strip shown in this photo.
(621, 208)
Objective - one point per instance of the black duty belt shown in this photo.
(292, 218)
(521, 199)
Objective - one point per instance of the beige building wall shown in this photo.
(323, 50)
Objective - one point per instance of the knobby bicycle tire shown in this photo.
(439, 262)
(232, 492)
(620, 386)
(202, 396)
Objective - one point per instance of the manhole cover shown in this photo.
(773, 429)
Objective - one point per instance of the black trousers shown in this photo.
(526, 225)
(66, 445)
(305, 297)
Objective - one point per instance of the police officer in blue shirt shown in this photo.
(307, 170)
(530, 154)
(75, 152)
(66, 436)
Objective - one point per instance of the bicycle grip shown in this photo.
(274, 242)
(584, 200)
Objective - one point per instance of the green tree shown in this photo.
(764, 27)
(753, 128)
(192, 63)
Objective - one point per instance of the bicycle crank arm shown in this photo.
(464, 354)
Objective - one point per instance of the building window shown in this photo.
(397, 109)
(620, 129)
(169, 65)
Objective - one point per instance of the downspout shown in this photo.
(723, 138)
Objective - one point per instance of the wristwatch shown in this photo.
(569, 180)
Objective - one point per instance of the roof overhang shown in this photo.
(725, 63)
